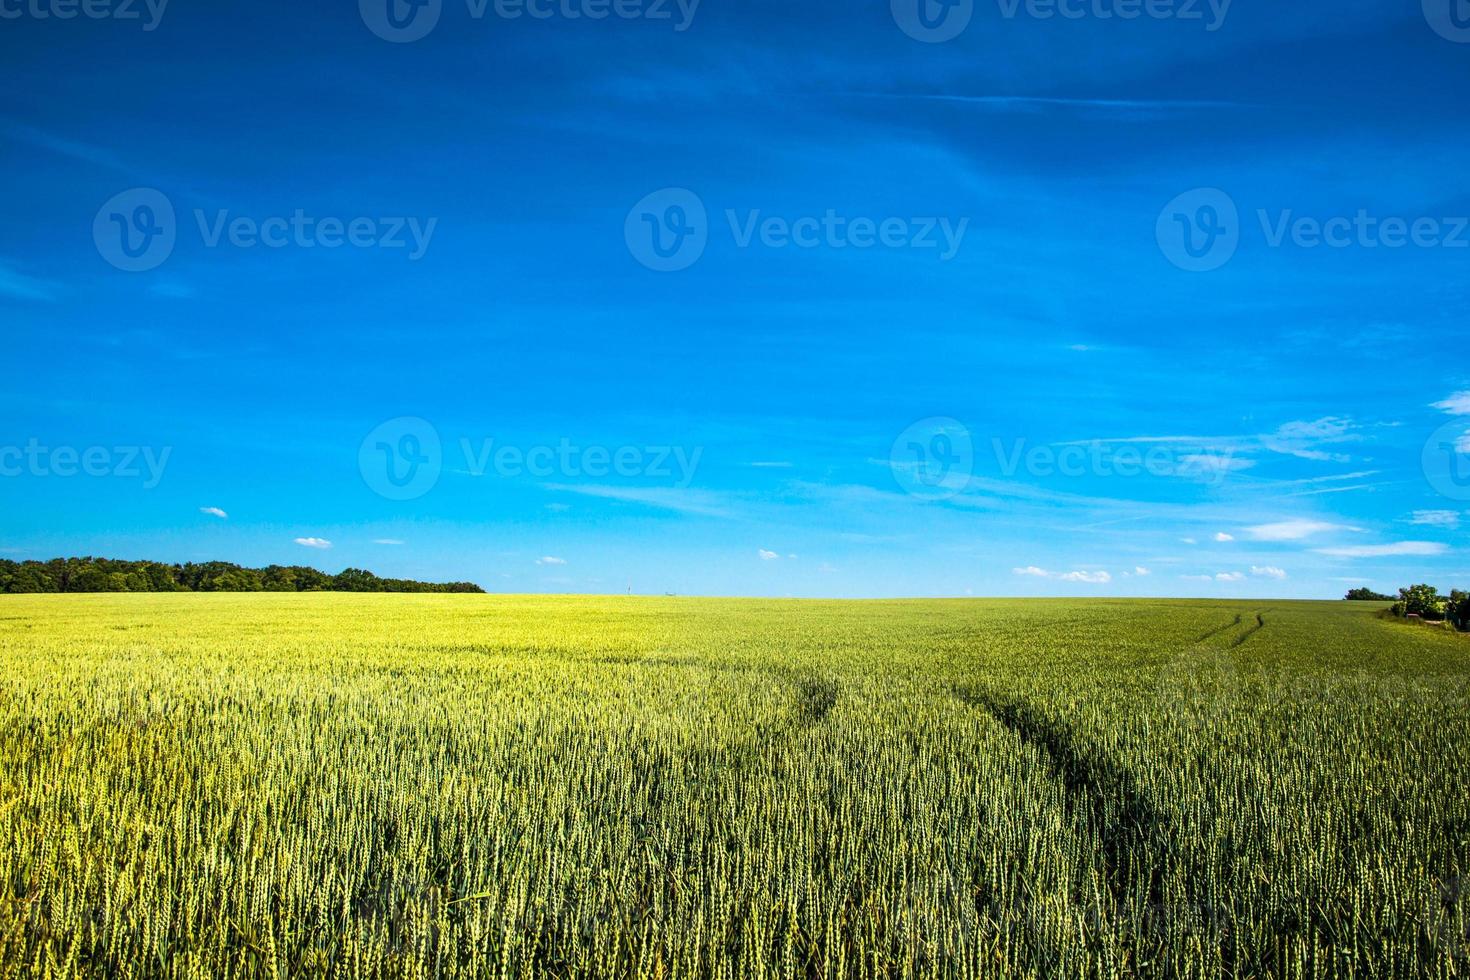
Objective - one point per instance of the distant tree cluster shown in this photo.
(112, 575)
(1424, 602)
(1367, 595)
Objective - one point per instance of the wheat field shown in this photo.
(325, 785)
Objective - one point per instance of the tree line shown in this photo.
(113, 575)
(1424, 602)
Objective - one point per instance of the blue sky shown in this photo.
(921, 317)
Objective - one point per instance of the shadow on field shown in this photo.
(1218, 630)
(1129, 828)
(1260, 625)
(815, 698)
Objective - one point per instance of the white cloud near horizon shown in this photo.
(551, 560)
(1268, 571)
(1294, 530)
(1456, 404)
(1398, 548)
(214, 512)
(1091, 578)
(1436, 518)
(320, 544)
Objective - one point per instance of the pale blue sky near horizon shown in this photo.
(743, 299)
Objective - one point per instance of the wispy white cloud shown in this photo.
(1414, 548)
(1294, 530)
(1092, 578)
(1222, 537)
(1213, 465)
(18, 285)
(1230, 577)
(1021, 103)
(1436, 518)
(392, 542)
(1456, 404)
(320, 544)
(1303, 439)
(551, 560)
(214, 512)
(1268, 571)
(767, 555)
(86, 152)
(685, 501)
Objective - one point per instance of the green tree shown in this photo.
(1457, 609)
(1423, 601)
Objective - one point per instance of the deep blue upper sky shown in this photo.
(873, 252)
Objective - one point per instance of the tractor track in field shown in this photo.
(1260, 625)
(1219, 629)
(1106, 796)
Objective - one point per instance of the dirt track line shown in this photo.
(1260, 625)
(1128, 825)
(1219, 629)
